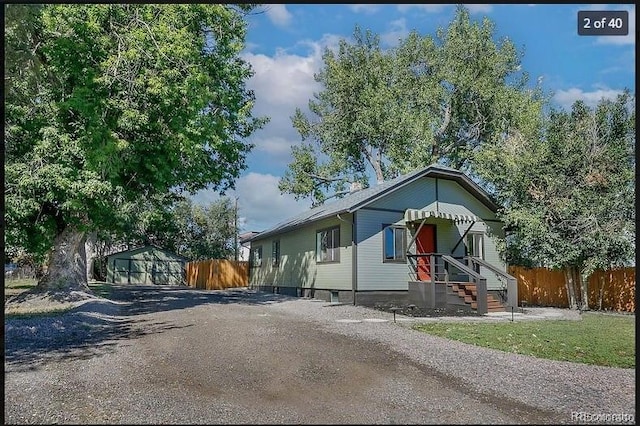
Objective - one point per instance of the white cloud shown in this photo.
(366, 8)
(398, 30)
(277, 148)
(279, 15)
(566, 98)
(281, 84)
(429, 8)
(479, 8)
(283, 79)
(261, 203)
(595, 7)
(630, 38)
(435, 8)
(625, 63)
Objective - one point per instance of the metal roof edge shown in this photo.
(148, 245)
(289, 228)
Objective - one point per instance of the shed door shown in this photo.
(425, 243)
(121, 271)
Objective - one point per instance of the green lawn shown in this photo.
(598, 339)
(14, 287)
(18, 285)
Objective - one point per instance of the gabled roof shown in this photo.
(361, 198)
(142, 248)
(246, 236)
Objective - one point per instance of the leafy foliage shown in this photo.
(429, 99)
(174, 223)
(568, 190)
(108, 105)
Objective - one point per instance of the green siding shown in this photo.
(455, 199)
(373, 273)
(145, 265)
(298, 267)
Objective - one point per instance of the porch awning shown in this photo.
(413, 215)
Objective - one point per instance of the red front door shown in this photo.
(425, 243)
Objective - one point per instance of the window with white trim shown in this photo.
(275, 253)
(328, 245)
(255, 257)
(475, 244)
(394, 243)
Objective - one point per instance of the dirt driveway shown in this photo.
(169, 355)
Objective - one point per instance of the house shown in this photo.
(146, 265)
(427, 237)
(245, 245)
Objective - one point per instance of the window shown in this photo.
(475, 244)
(275, 253)
(255, 257)
(328, 245)
(394, 243)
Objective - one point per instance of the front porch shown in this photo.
(453, 283)
(457, 278)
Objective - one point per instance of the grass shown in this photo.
(598, 339)
(14, 286)
(101, 289)
(36, 312)
(17, 286)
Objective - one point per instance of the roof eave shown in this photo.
(296, 226)
(430, 171)
(436, 172)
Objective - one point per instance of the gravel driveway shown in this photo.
(161, 355)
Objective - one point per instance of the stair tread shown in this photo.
(468, 293)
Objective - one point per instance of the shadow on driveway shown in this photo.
(95, 327)
(149, 299)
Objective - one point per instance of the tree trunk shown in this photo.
(569, 283)
(90, 250)
(601, 292)
(67, 268)
(584, 289)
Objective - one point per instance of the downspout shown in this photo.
(354, 257)
(437, 206)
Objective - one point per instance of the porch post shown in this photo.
(415, 235)
(481, 298)
(432, 268)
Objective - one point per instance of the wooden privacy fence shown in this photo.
(217, 274)
(544, 287)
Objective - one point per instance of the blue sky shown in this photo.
(285, 44)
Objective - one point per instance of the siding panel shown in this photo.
(373, 273)
(298, 267)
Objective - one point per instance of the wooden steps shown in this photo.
(468, 293)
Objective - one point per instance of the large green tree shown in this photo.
(568, 191)
(108, 104)
(429, 99)
(193, 230)
(174, 223)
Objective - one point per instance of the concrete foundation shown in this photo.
(371, 298)
(423, 294)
